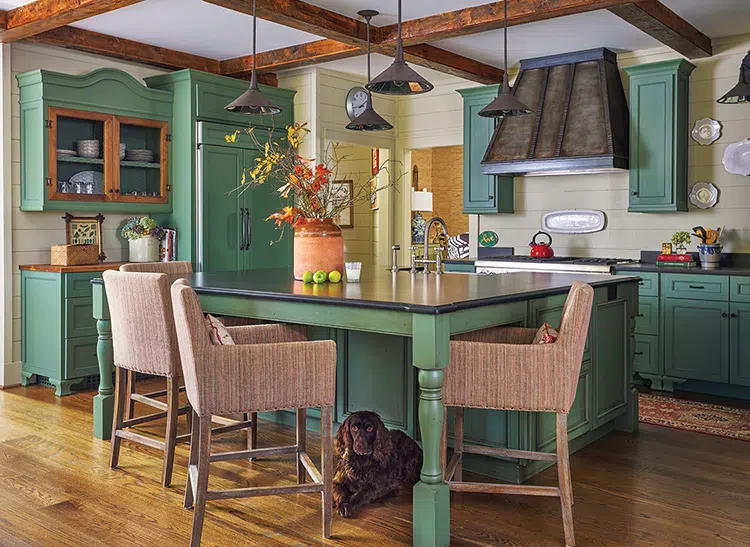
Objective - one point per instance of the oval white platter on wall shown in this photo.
(574, 221)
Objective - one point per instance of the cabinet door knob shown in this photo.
(639, 315)
(733, 316)
(724, 314)
(634, 193)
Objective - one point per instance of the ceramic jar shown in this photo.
(710, 256)
(318, 245)
(144, 249)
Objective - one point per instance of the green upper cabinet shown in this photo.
(200, 97)
(659, 128)
(111, 109)
(482, 193)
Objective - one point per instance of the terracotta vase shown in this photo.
(318, 245)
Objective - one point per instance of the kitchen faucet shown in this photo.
(424, 260)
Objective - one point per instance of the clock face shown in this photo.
(356, 102)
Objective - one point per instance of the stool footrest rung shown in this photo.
(509, 453)
(518, 489)
(254, 453)
(263, 491)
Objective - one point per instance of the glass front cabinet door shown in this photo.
(95, 157)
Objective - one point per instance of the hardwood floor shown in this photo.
(660, 487)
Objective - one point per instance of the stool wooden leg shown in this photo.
(173, 407)
(444, 442)
(129, 403)
(252, 432)
(195, 433)
(119, 411)
(563, 474)
(204, 456)
(326, 464)
(458, 441)
(301, 443)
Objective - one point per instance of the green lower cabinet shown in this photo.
(647, 320)
(459, 268)
(58, 331)
(612, 377)
(696, 339)
(739, 337)
(579, 418)
(648, 353)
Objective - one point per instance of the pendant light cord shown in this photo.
(505, 43)
(254, 76)
(400, 42)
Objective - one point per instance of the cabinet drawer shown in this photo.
(740, 289)
(647, 321)
(79, 284)
(647, 354)
(695, 287)
(79, 317)
(649, 283)
(80, 357)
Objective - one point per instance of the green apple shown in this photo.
(307, 277)
(320, 276)
(334, 276)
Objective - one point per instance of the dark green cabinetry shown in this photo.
(58, 330)
(210, 167)
(659, 136)
(739, 343)
(482, 193)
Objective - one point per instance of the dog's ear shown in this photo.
(383, 445)
(343, 441)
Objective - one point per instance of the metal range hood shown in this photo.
(579, 122)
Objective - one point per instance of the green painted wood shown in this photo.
(659, 136)
(104, 400)
(649, 284)
(549, 309)
(216, 133)
(696, 339)
(612, 354)
(739, 289)
(579, 418)
(695, 286)
(80, 357)
(455, 268)
(79, 320)
(42, 324)
(489, 316)
(482, 193)
(647, 320)
(79, 284)
(739, 339)
(648, 354)
(104, 90)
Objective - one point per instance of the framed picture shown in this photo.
(85, 231)
(341, 192)
(374, 201)
(375, 156)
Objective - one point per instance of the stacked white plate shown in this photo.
(139, 154)
(66, 153)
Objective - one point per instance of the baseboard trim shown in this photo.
(11, 376)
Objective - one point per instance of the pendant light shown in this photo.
(399, 78)
(253, 101)
(741, 92)
(369, 120)
(505, 104)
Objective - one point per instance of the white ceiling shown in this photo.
(200, 28)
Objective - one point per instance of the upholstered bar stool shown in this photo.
(271, 367)
(501, 369)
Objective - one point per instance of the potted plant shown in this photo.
(314, 202)
(681, 240)
(143, 235)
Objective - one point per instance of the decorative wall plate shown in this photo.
(573, 221)
(704, 195)
(737, 158)
(488, 239)
(706, 131)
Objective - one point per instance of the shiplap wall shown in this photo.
(628, 233)
(33, 233)
(355, 166)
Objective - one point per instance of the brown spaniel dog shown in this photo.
(373, 462)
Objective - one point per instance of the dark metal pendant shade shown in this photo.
(506, 104)
(253, 101)
(399, 78)
(369, 120)
(741, 92)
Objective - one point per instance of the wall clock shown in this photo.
(356, 101)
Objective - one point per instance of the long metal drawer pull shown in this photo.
(639, 353)
(248, 229)
(697, 287)
(243, 245)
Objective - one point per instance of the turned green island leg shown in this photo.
(104, 401)
(431, 512)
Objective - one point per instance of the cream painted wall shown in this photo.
(628, 233)
(33, 233)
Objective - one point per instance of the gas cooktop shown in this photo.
(524, 263)
(563, 260)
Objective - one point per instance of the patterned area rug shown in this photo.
(718, 420)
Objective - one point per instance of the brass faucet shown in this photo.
(424, 260)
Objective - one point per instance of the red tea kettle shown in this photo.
(541, 250)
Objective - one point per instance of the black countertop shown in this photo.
(646, 267)
(402, 291)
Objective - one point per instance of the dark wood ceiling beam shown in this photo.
(43, 15)
(291, 57)
(661, 23)
(303, 16)
(452, 63)
(3, 19)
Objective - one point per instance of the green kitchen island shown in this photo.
(393, 327)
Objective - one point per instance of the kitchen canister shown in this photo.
(144, 249)
(710, 256)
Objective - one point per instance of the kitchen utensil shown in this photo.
(83, 177)
(721, 233)
(573, 221)
(706, 131)
(704, 195)
(541, 250)
(700, 233)
(711, 236)
(736, 158)
(88, 148)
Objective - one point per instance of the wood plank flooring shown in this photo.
(660, 487)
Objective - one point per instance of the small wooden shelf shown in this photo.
(140, 164)
(79, 159)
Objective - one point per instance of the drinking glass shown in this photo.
(353, 271)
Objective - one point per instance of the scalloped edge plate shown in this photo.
(706, 131)
(736, 158)
(700, 198)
